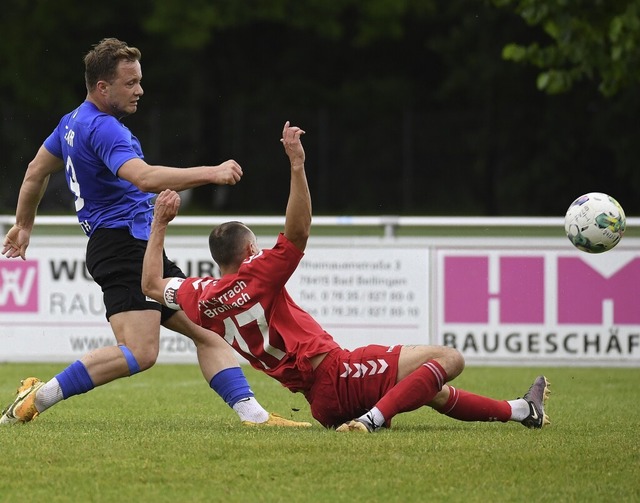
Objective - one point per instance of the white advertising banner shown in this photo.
(51, 310)
(546, 304)
(366, 294)
(499, 301)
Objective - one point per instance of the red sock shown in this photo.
(466, 406)
(414, 391)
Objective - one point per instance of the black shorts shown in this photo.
(114, 259)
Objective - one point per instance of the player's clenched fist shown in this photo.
(227, 173)
(166, 206)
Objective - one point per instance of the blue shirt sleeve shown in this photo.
(113, 144)
(52, 144)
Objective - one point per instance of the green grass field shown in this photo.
(165, 436)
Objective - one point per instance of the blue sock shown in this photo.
(231, 384)
(74, 380)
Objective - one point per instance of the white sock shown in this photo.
(250, 410)
(519, 409)
(374, 417)
(50, 394)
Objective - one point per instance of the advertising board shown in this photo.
(499, 301)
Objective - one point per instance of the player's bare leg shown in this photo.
(213, 353)
(220, 368)
(137, 335)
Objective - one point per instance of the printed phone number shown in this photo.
(366, 311)
(381, 296)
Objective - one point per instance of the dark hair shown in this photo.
(101, 62)
(227, 243)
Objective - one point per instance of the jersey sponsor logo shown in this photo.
(234, 296)
(362, 369)
(19, 286)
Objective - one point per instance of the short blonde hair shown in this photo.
(101, 62)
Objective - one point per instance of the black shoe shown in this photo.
(536, 398)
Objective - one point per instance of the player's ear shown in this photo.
(101, 86)
(252, 247)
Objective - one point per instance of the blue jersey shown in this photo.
(93, 146)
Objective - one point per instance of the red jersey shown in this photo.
(254, 313)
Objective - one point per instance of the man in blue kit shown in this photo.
(113, 187)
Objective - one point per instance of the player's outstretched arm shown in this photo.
(155, 179)
(297, 225)
(33, 187)
(166, 208)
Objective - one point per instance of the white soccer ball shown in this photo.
(595, 222)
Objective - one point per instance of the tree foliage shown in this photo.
(594, 40)
(331, 20)
(408, 105)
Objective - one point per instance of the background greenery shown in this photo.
(464, 107)
(163, 436)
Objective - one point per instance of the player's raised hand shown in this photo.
(227, 173)
(166, 207)
(16, 242)
(292, 143)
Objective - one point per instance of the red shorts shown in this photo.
(349, 383)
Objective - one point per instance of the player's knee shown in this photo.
(453, 362)
(139, 359)
(147, 358)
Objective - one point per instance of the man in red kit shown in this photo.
(250, 308)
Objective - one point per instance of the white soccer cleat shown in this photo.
(277, 420)
(353, 425)
(23, 409)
